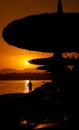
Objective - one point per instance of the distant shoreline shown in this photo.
(25, 76)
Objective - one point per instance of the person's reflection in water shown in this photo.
(29, 85)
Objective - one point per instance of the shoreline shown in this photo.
(39, 107)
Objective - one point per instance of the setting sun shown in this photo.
(26, 62)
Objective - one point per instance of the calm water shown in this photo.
(18, 86)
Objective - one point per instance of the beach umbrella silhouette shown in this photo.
(48, 32)
(44, 32)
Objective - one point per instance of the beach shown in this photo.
(41, 109)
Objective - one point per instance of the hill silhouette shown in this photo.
(26, 76)
(10, 70)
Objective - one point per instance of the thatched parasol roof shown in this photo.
(48, 32)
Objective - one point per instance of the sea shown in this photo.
(19, 86)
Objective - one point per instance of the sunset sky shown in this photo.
(12, 57)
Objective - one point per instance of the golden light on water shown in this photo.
(26, 90)
(27, 81)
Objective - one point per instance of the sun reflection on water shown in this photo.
(26, 90)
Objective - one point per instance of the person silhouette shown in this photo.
(29, 85)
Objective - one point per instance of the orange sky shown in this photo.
(12, 57)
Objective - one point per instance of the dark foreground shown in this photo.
(43, 109)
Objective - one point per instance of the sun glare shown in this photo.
(27, 63)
